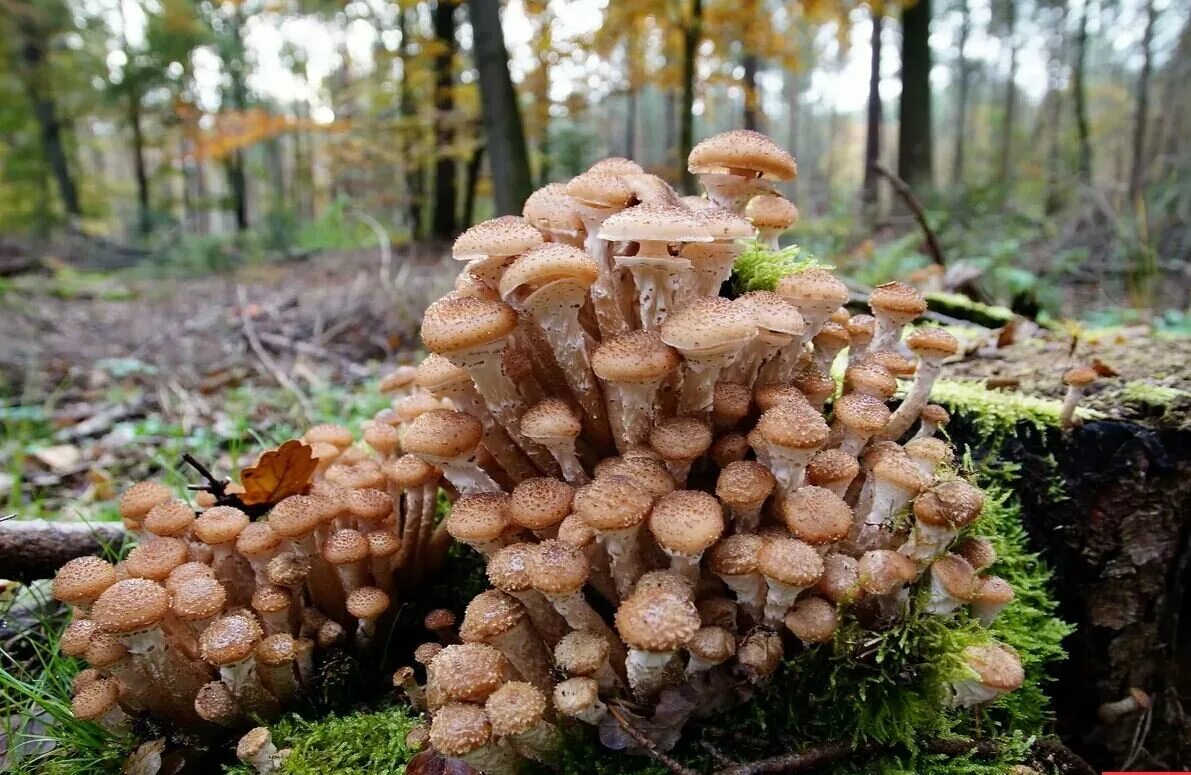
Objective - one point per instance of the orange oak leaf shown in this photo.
(278, 474)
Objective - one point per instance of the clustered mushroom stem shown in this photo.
(605, 295)
(905, 415)
(624, 555)
(647, 671)
(633, 406)
(1071, 400)
(467, 477)
(507, 406)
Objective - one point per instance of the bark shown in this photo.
(45, 111)
(444, 103)
(508, 157)
(413, 167)
(915, 147)
(752, 97)
(138, 161)
(474, 166)
(237, 181)
(692, 36)
(963, 88)
(1141, 112)
(1079, 88)
(872, 140)
(1054, 194)
(35, 549)
(1009, 117)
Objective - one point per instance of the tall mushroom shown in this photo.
(655, 625)
(554, 425)
(894, 305)
(616, 509)
(736, 165)
(1077, 380)
(684, 524)
(710, 332)
(450, 440)
(598, 195)
(932, 346)
(490, 246)
(632, 368)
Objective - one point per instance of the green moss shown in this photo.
(1141, 392)
(960, 306)
(759, 268)
(372, 743)
(996, 412)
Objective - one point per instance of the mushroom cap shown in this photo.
(230, 639)
(635, 357)
(977, 550)
(551, 419)
(993, 590)
(932, 343)
(540, 503)
(654, 221)
(104, 650)
(709, 325)
(383, 542)
(459, 728)
(646, 474)
(489, 615)
(252, 743)
(507, 235)
(298, 515)
(215, 702)
(288, 569)
(901, 472)
(897, 364)
(575, 695)
(508, 568)
(817, 515)
(789, 561)
(656, 621)
(599, 189)
(878, 450)
(812, 620)
(955, 575)
(935, 414)
(616, 165)
(329, 433)
(736, 555)
(575, 532)
(612, 503)
(156, 558)
(95, 699)
(774, 393)
(861, 412)
(439, 619)
(771, 211)
(883, 570)
(729, 448)
(686, 522)
(680, 438)
(479, 517)
(814, 383)
(219, 524)
(426, 652)
(257, 539)
(718, 611)
(382, 437)
(773, 312)
(930, 449)
(453, 324)
(696, 202)
(740, 150)
(744, 484)
(186, 571)
(197, 599)
(792, 427)
(277, 649)
(861, 328)
(898, 299)
(548, 263)
(130, 606)
(713, 644)
(398, 379)
(345, 546)
(872, 378)
(436, 374)
(813, 286)
(443, 433)
(139, 499)
(725, 226)
(954, 504)
(469, 282)
(514, 708)
(831, 466)
(650, 188)
(581, 652)
(367, 602)
(409, 471)
(730, 402)
(412, 407)
(760, 652)
(558, 569)
(467, 672)
(77, 637)
(832, 336)
(270, 598)
(665, 582)
(171, 518)
(549, 209)
(83, 579)
(841, 578)
(1080, 376)
(996, 664)
(369, 505)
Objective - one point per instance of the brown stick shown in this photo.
(35, 549)
(650, 749)
(903, 190)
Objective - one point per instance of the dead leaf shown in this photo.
(59, 458)
(146, 760)
(1103, 369)
(434, 763)
(1002, 383)
(278, 474)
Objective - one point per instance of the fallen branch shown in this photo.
(903, 191)
(35, 549)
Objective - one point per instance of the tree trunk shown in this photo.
(630, 122)
(474, 166)
(45, 110)
(1138, 169)
(914, 144)
(413, 166)
(794, 86)
(1054, 194)
(752, 97)
(444, 103)
(508, 157)
(692, 36)
(1005, 165)
(963, 87)
(872, 138)
(1080, 89)
(138, 162)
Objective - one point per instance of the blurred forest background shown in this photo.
(1048, 139)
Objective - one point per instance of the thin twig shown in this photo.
(647, 744)
(266, 360)
(903, 190)
(217, 487)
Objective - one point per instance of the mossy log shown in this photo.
(1108, 505)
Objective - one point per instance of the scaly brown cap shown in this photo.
(817, 515)
(83, 579)
(686, 522)
(479, 518)
(616, 165)
(730, 403)
(812, 620)
(744, 484)
(138, 500)
(550, 210)
(551, 419)
(978, 551)
(997, 665)
(729, 448)
(653, 221)
(436, 374)
(788, 426)
(712, 644)
(409, 471)
(901, 472)
(936, 414)
(774, 393)
(557, 569)
(169, 519)
(276, 650)
(398, 379)
(883, 570)
(861, 329)
(130, 606)
(872, 378)
(76, 638)
(581, 653)
(187, 571)
(329, 433)
(635, 357)
(611, 503)
(489, 615)
(514, 708)
(599, 189)
(257, 539)
(657, 621)
(458, 729)
(861, 413)
(680, 438)
(831, 467)
(467, 672)
(548, 263)
(646, 474)
(736, 555)
(789, 561)
(367, 602)
(814, 383)
(1080, 376)
(270, 599)
(897, 299)
(953, 504)
(742, 151)
(508, 568)
(345, 546)
(369, 505)
(933, 344)
(708, 325)
(813, 288)
(197, 599)
(443, 433)
(540, 503)
(771, 211)
(230, 639)
(508, 235)
(219, 525)
(95, 699)
(955, 575)
(841, 578)
(156, 558)
(453, 324)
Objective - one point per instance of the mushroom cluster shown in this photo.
(669, 489)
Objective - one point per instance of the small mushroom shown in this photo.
(1077, 380)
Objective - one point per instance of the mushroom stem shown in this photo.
(605, 294)
(632, 406)
(779, 596)
(1136, 700)
(700, 373)
(916, 399)
(1067, 418)
(624, 555)
(647, 671)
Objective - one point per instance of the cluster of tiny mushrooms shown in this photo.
(667, 490)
